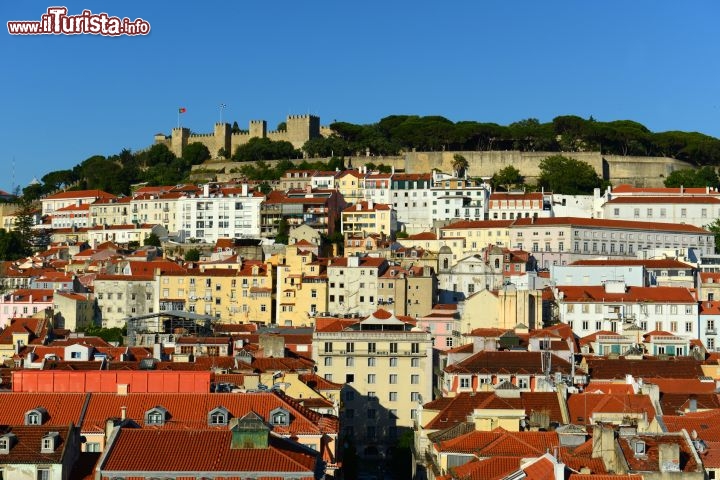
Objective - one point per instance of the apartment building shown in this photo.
(110, 211)
(634, 311)
(369, 217)
(302, 286)
(512, 205)
(319, 209)
(563, 240)
(691, 210)
(232, 295)
(353, 284)
(458, 198)
(228, 212)
(59, 200)
(412, 200)
(122, 296)
(385, 363)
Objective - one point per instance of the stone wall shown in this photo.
(638, 171)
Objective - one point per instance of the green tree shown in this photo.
(283, 230)
(12, 246)
(24, 223)
(507, 178)
(568, 176)
(459, 165)
(235, 128)
(152, 240)
(688, 177)
(265, 149)
(114, 334)
(222, 153)
(196, 153)
(192, 255)
(714, 227)
(281, 127)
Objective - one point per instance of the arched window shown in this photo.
(497, 263)
(446, 264)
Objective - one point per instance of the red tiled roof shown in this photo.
(605, 223)
(468, 224)
(598, 293)
(79, 194)
(190, 410)
(29, 441)
(506, 362)
(627, 188)
(673, 403)
(141, 450)
(422, 236)
(632, 262)
(493, 468)
(650, 461)
(459, 407)
(498, 196)
(62, 408)
(582, 406)
(675, 367)
(669, 200)
(500, 442)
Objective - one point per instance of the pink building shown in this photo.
(24, 303)
(443, 323)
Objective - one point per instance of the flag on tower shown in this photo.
(182, 110)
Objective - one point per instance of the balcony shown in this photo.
(711, 331)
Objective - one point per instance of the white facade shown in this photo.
(633, 311)
(633, 276)
(697, 211)
(563, 240)
(208, 217)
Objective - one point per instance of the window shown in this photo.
(393, 397)
(328, 361)
(371, 378)
(279, 416)
(218, 416)
(33, 418)
(415, 396)
(328, 347)
(393, 378)
(415, 379)
(415, 362)
(350, 361)
(415, 347)
(349, 377)
(43, 474)
(465, 382)
(371, 361)
(371, 347)
(393, 347)
(393, 361)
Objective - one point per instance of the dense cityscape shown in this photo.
(406, 316)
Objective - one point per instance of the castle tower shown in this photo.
(222, 138)
(258, 128)
(301, 128)
(179, 140)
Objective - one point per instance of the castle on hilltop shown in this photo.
(299, 129)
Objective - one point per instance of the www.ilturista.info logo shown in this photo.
(57, 22)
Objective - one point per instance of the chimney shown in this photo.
(370, 204)
(244, 189)
(206, 190)
(669, 457)
(157, 351)
(123, 412)
(358, 206)
(693, 404)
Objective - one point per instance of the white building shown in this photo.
(224, 213)
(709, 324)
(412, 200)
(563, 240)
(692, 210)
(637, 311)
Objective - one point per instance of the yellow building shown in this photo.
(302, 286)
(504, 309)
(349, 184)
(478, 234)
(369, 217)
(110, 211)
(385, 363)
(234, 296)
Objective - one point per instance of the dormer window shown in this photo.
(280, 417)
(156, 416)
(638, 446)
(49, 442)
(218, 417)
(36, 416)
(7, 441)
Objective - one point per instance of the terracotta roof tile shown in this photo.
(141, 450)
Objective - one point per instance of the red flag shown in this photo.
(182, 110)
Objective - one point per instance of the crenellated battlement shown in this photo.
(300, 129)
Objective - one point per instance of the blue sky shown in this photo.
(66, 98)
